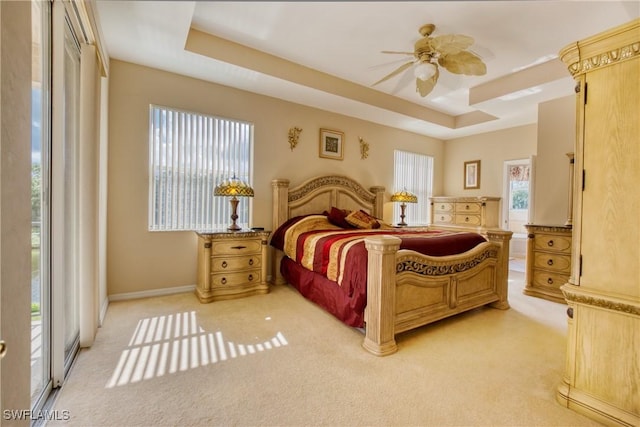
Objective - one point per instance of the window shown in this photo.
(189, 154)
(414, 173)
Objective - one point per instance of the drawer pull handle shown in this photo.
(550, 262)
(550, 281)
(467, 207)
(250, 277)
(550, 243)
(224, 264)
(442, 207)
(467, 219)
(250, 261)
(441, 218)
(238, 247)
(223, 281)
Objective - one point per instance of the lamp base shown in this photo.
(402, 216)
(234, 215)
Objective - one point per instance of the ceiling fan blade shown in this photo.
(397, 52)
(451, 43)
(395, 72)
(463, 63)
(424, 87)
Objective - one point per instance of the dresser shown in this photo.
(548, 261)
(602, 365)
(481, 212)
(231, 264)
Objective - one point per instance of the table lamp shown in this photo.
(234, 188)
(403, 197)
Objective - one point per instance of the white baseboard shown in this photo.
(103, 311)
(152, 293)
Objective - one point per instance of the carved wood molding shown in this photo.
(601, 302)
(233, 235)
(331, 181)
(584, 65)
(426, 267)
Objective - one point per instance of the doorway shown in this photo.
(517, 207)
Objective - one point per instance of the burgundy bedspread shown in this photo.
(328, 265)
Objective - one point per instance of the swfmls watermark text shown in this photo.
(37, 415)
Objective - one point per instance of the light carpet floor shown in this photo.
(278, 360)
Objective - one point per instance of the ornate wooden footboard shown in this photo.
(405, 289)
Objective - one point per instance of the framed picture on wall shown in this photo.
(331, 144)
(472, 175)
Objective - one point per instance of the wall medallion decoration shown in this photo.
(294, 134)
(331, 144)
(364, 148)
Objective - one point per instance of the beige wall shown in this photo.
(556, 138)
(15, 206)
(139, 260)
(492, 149)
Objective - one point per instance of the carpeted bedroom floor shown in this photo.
(278, 360)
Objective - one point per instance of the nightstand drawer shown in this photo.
(468, 219)
(235, 279)
(235, 263)
(544, 279)
(236, 247)
(549, 242)
(468, 207)
(561, 263)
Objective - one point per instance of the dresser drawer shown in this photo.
(220, 264)
(236, 247)
(469, 207)
(553, 262)
(545, 279)
(443, 207)
(467, 219)
(551, 242)
(235, 279)
(442, 218)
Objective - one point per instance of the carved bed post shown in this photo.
(502, 237)
(381, 295)
(280, 191)
(378, 204)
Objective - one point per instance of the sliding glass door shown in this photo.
(54, 197)
(40, 201)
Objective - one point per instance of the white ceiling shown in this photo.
(341, 44)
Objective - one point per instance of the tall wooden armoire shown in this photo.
(602, 374)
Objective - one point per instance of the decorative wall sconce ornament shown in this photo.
(294, 134)
(364, 148)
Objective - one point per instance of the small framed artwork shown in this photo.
(472, 175)
(331, 144)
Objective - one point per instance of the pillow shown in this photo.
(338, 216)
(361, 219)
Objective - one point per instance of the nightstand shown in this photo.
(548, 261)
(231, 264)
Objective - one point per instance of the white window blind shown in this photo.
(414, 173)
(189, 155)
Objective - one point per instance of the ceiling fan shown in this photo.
(448, 51)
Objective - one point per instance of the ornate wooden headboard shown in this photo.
(319, 194)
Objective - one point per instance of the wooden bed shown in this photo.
(404, 289)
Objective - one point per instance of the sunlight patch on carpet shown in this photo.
(172, 343)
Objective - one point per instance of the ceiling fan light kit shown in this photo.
(448, 51)
(424, 70)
